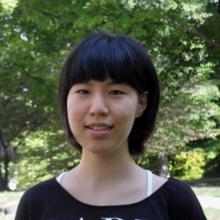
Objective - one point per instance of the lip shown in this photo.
(98, 130)
(99, 125)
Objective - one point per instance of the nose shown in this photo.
(98, 105)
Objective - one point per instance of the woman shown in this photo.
(109, 98)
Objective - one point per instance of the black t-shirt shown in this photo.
(49, 201)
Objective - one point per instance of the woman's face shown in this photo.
(101, 114)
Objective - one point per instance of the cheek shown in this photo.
(124, 121)
(126, 115)
(70, 110)
(74, 112)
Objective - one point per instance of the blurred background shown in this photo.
(181, 37)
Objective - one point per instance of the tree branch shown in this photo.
(195, 31)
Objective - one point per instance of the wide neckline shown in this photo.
(133, 204)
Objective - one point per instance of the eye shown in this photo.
(82, 91)
(116, 92)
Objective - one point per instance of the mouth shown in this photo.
(98, 130)
(99, 126)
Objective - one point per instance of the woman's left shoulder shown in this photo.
(171, 186)
(183, 203)
(179, 187)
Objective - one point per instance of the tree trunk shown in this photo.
(5, 157)
(4, 176)
(6, 168)
(218, 7)
(1, 176)
(163, 165)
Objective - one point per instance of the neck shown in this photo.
(101, 169)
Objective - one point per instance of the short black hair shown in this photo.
(101, 56)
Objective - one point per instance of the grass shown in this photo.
(9, 196)
(212, 214)
(6, 217)
(6, 197)
(207, 191)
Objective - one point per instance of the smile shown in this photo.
(99, 130)
(99, 126)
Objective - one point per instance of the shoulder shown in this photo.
(176, 185)
(178, 190)
(172, 188)
(179, 199)
(157, 182)
(183, 203)
(36, 198)
(41, 189)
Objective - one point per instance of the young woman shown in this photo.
(109, 98)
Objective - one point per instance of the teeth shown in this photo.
(99, 128)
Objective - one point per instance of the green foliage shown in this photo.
(7, 6)
(213, 166)
(188, 165)
(148, 161)
(212, 152)
(182, 38)
(44, 155)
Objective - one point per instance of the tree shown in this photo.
(27, 94)
(36, 36)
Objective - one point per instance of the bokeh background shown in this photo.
(181, 36)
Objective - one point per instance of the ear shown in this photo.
(142, 105)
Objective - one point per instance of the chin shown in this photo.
(100, 150)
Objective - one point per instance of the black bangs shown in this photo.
(105, 58)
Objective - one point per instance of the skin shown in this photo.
(101, 116)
